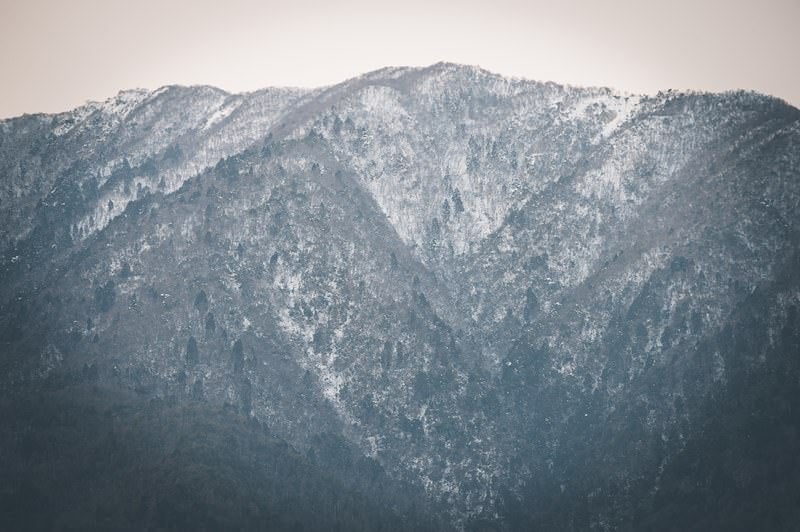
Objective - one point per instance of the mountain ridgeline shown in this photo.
(424, 298)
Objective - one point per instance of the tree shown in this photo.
(458, 206)
(192, 354)
(173, 153)
(197, 390)
(237, 355)
(201, 302)
(246, 395)
(386, 355)
(105, 295)
(434, 233)
(133, 302)
(531, 305)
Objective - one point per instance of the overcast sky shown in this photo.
(55, 55)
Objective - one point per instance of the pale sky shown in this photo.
(55, 55)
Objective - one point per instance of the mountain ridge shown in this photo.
(397, 71)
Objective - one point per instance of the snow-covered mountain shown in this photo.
(532, 305)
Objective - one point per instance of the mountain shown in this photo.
(455, 298)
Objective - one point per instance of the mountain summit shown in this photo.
(421, 298)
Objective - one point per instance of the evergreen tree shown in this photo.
(531, 305)
(192, 354)
(237, 356)
(201, 302)
(105, 295)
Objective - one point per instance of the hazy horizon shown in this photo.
(57, 57)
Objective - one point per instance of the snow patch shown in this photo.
(624, 108)
(221, 113)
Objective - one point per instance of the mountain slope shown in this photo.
(516, 297)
